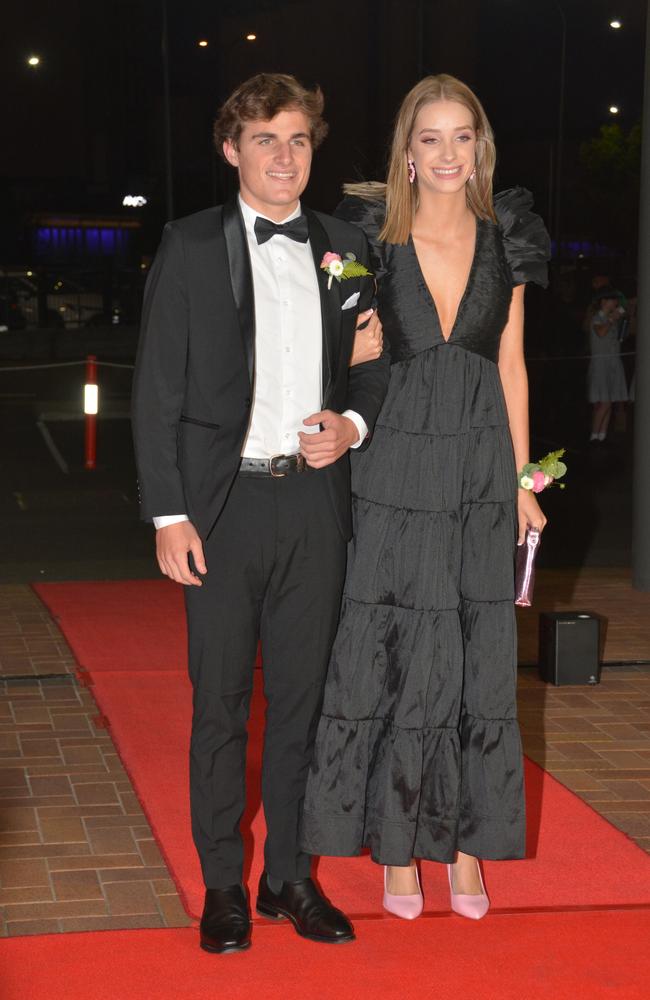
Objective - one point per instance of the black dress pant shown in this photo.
(276, 562)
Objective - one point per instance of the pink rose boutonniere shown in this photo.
(343, 267)
(538, 476)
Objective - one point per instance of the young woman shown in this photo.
(606, 375)
(418, 752)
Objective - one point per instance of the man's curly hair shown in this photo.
(263, 97)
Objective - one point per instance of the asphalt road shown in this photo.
(78, 525)
(84, 525)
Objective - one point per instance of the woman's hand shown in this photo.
(529, 512)
(368, 343)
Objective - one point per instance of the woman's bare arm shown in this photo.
(514, 379)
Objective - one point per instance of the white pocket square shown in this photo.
(351, 302)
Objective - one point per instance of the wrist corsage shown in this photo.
(538, 476)
(343, 267)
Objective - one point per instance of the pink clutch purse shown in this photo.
(525, 569)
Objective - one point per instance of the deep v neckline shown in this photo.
(466, 290)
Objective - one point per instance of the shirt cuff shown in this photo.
(360, 425)
(165, 519)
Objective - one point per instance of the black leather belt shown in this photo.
(277, 466)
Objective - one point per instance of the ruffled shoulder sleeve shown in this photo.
(525, 240)
(369, 216)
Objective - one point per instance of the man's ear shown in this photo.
(231, 153)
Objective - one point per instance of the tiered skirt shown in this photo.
(418, 751)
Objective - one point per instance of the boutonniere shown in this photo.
(538, 476)
(343, 267)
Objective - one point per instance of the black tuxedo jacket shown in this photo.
(193, 383)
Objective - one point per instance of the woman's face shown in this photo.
(443, 147)
(608, 306)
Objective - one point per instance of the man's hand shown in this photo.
(368, 342)
(173, 544)
(325, 447)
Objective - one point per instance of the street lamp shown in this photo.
(614, 109)
(203, 44)
(34, 61)
(641, 527)
(555, 183)
(616, 24)
(557, 224)
(251, 37)
(167, 119)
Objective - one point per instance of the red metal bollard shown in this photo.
(91, 397)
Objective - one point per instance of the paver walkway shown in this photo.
(76, 851)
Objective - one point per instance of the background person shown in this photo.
(606, 383)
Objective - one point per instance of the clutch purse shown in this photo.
(525, 568)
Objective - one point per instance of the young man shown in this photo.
(244, 410)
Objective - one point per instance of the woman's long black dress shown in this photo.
(418, 751)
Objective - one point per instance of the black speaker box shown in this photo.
(569, 644)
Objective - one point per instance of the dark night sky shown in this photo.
(87, 125)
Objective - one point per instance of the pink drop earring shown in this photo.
(472, 176)
(411, 167)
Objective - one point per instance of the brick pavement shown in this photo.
(606, 592)
(596, 741)
(76, 851)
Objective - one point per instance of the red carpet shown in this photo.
(149, 714)
(559, 956)
(149, 711)
(121, 625)
(127, 636)
(125, 625)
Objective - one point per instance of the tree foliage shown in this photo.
(614, 156)
(610, 168)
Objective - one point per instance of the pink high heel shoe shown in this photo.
(466, 905)
(406, 907)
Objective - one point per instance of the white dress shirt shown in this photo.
(288, 347)
(288, 341)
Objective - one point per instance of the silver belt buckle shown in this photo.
(301, 464)
(276, 475)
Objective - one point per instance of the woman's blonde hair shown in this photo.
(401, 196)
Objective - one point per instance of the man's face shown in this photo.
(274, 160)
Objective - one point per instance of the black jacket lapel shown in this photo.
(241, 278)
(330, 302)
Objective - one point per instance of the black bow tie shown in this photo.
(296, 229)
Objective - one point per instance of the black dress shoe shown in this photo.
(309, 911)
(226, 923)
